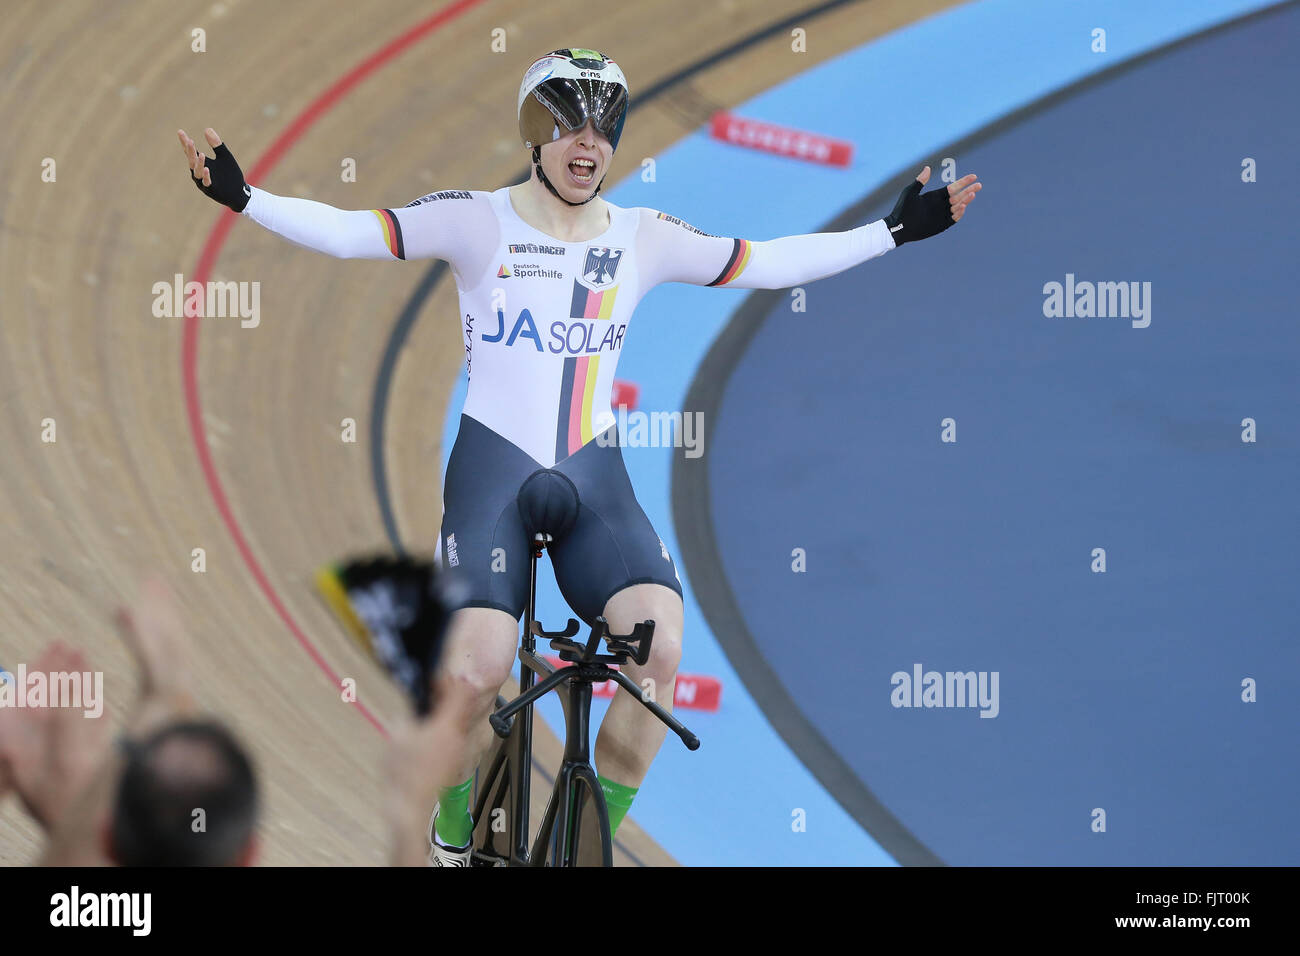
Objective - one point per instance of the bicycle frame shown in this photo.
(507, 783)
(513, 790)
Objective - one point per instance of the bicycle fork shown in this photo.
(562, 824)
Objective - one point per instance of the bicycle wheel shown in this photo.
(586, 831)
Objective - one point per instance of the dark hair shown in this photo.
(186, 766)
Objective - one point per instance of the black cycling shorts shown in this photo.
(612, 544)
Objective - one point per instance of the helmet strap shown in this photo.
(537, 165)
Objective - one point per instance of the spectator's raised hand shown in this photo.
(423, 754)
(6, 774)
(49, 754)
(153, 632)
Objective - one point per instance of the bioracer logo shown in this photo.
(534, 248)
(444, 194)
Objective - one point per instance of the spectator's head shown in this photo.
(187, 797)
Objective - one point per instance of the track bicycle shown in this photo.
(575, 828)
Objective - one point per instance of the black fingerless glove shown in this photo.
(919, 215)
(228, 186)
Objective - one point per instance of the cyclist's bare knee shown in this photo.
(653, 602)
(480, 651)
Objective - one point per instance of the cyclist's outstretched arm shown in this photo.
(442, 225)
(672, 251)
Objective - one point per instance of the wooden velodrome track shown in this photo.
(101, 88)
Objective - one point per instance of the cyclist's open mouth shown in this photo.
(582, 171)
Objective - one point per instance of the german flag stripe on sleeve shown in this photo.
(740, 253)
(392, 230)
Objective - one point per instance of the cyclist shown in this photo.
(548, 276)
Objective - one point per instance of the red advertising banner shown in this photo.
(625, 393)
(693, 691)
(781, 140)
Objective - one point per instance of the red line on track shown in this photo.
(208, 257)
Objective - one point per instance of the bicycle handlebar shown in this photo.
(676, 726)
